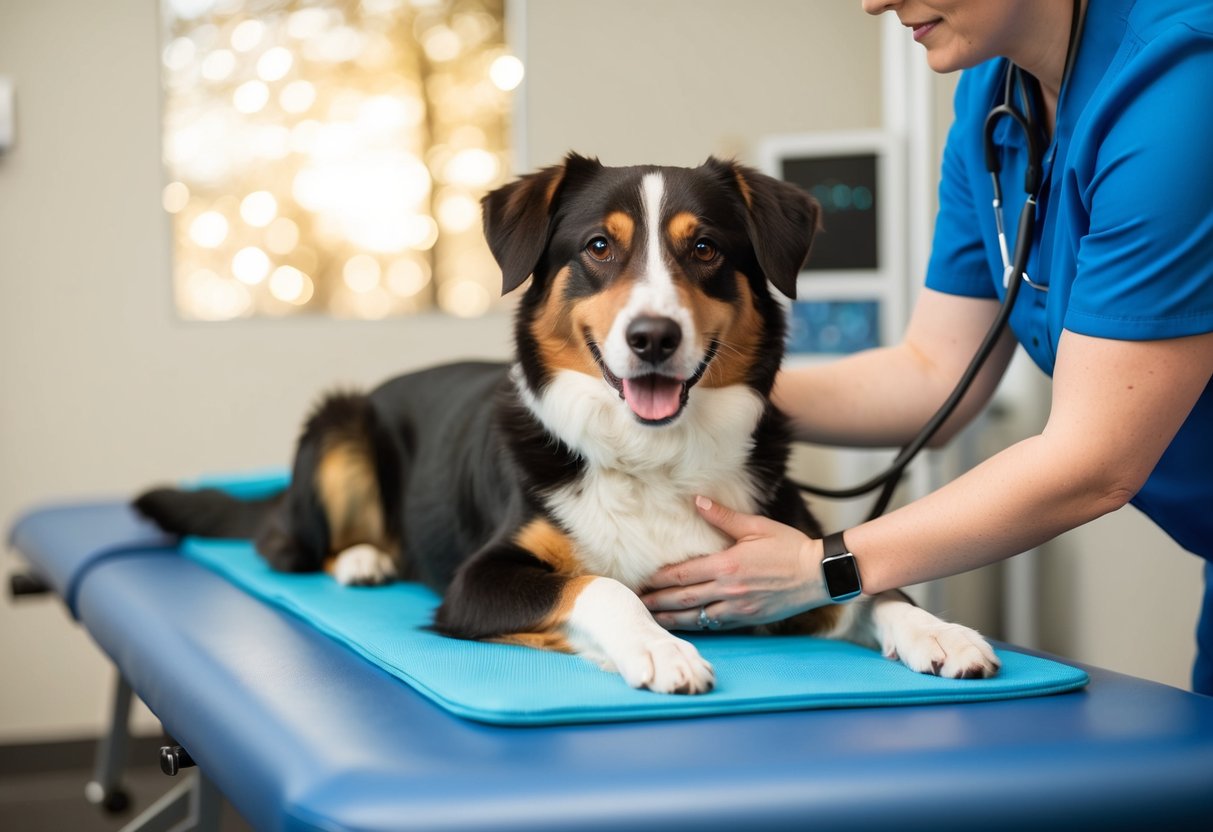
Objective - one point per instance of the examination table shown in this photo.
(298, 732)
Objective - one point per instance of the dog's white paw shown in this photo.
(665, 665)
(363, 565)
(926, 644)
(610, 626)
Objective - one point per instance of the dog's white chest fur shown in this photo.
(632, 510)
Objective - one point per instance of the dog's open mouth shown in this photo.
(655, 399)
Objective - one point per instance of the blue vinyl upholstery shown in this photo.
(300, 733)
(65, 541)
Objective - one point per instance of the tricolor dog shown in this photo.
(537, 497)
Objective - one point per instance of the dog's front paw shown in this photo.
(665, 664)
(926, 644)
(363, 565)
(611, 627)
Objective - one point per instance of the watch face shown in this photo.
(842, 576)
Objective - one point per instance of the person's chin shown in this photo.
(944, 60)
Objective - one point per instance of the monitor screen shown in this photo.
(833, 326)
(847, 188)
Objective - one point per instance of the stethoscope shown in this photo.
(1017, 84)
(1027, 90)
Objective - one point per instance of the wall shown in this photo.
(104, 390)
(671, 82)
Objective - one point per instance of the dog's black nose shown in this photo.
(654, 339)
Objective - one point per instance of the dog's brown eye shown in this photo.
(704, 251)
(599, 248)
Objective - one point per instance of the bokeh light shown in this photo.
(291, 285)
(259, 208)
(506, 72)
(250, 265)
(330, 155)
(209, 229)
(175, 196)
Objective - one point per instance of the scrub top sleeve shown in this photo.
(958, 264)
(1145, 176)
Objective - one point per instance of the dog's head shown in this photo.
(653, 278)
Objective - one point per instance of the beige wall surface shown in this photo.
(103, 389)
(673, 81)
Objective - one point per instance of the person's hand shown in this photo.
(772, 572)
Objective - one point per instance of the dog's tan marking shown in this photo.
(550, 635)
(560, 346)
(597, 313)
(548, 179)
(682, 227)
(743, 186)
(737, 326)
(548, 640)
(556, 176)
(568, 596)
(621, 227)
(349, 494)
(550, 545)
(814, 622)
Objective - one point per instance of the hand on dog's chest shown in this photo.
(631, 508)
(627, 529)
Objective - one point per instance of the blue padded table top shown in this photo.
(64, 541)
(513, 685)
(300, 733)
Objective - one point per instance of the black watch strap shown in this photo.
(833, 546)
(839, 569)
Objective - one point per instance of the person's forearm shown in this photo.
(1014, 501)
(883, 397)
(1116, 407)
(871, 399)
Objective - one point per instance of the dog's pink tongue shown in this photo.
(653, 397)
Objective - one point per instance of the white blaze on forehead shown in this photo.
(657, 274)
(653, 293)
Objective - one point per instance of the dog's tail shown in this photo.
(345, 489)
(206, 512)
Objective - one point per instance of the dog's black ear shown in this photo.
(781, 220)
(517, 217)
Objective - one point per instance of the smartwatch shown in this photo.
(839, 569)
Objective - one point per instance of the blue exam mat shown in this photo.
(513, 685)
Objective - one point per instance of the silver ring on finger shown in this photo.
(706, 622)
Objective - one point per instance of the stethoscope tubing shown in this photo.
(888, 479)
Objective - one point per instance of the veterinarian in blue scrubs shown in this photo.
(1119, 312)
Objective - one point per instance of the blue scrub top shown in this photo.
(1124, 234)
